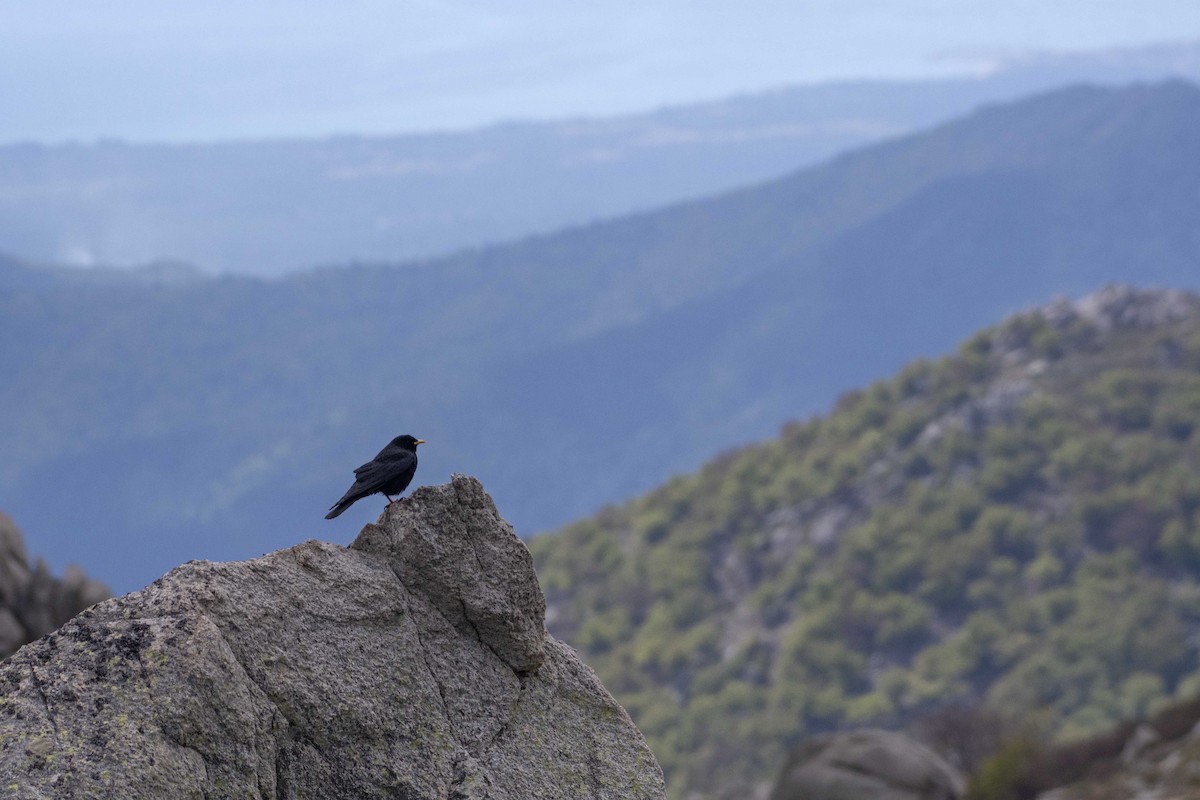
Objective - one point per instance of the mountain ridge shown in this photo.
(271, 207)
(180, 407)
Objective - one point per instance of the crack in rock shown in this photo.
(441, 689)
(177, 740)
(41, 691)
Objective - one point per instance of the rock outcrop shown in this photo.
(32, 601)
(413, 665)
(866, 765)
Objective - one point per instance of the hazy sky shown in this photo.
(153, 70)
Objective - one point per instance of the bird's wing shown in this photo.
(391, 454)
(384, 468)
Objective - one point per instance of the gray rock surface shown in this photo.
(866, 765)
(412, 665)
(32, 601)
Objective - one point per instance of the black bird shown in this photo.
(388, 473)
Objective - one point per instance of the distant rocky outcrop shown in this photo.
(413, 664)
(866, 765)
(1148, 758)
(32, 601)
(1149, 767)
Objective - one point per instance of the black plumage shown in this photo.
(388, 473)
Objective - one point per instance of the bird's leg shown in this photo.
(389, 497)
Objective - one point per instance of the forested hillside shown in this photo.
(1016, 524)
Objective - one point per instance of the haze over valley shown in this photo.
(270, 207)
(572, 369)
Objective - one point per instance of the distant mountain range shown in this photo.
(1012, 529)
(186, 415)
(265, 208)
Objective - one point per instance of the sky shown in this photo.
(145, 70)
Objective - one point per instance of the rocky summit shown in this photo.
(413, 664)
(32, 601)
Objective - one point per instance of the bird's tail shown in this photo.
(340, 506)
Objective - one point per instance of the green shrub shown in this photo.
(1010, 774)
